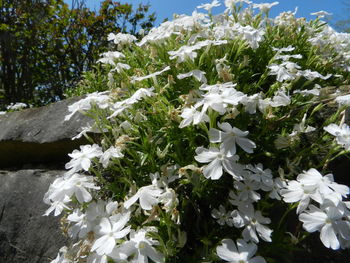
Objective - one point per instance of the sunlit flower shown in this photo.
(243, 253)
(148, 196)
(197, 74)
(265, 7)
(140, 248)
(218, 161)
(109, 231)
(255, 225)
(342, 134)
(210, 6)
(324, 221)
(81, 160)
(230, 136)
(112, 152)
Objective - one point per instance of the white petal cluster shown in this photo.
(101, 99)
(242, 253)
(342, 134)
(331, 215)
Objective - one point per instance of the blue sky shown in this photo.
(165, 8)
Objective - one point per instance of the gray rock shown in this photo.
(40, 135)
(26, 235)
(42, 125)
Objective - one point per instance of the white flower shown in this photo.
(222, 216)
(110, 57)
(192, 115)
(321, 14)
(110, 230)
(311, 75)
(242, 205)
(152, 75)
(183, 53)
(255, 225)
(343, 100)
(96, 258)
(325, 185)
(81, 227)
(101, 99)
(278, 184)
(120, 67)
(251, 102)
(301, 128)
(284, 71)
(16, 106)
(61, 258)
(261, 175)
(243, 253)
(280, 99)
(139, 248)
(121, 39)
(284, 49)
(265, 7)
(297, 192)
(148, 196)
(210, 6)
(247, 190)
(306, 92)
(218, 160)
(219, 97)
(230, 3)
(197, 74)
(81, 160)
(324, 221)
(66, 186)
(57, 206)
(168, 199)
(342, 134)
(230, 136)
(112, 152)
(139, 94)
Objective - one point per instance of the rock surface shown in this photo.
(40, 135)
(25, 235)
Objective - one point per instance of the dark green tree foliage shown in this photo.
(45, 45)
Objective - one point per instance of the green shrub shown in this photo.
(213, 129)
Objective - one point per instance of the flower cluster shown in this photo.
(213, 129)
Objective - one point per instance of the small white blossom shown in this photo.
(192, 116)
(140, 248)
(325, 221)
(321, 14)
(222, 217)
(230, 136)
(109, 231)
(210, 6)
(218, 161)
(112, 152)
(342, 134)
(265, 7)
(148, 196)
(81, 160)
(110, 57)
(152, 75)
(255, 225)
(243, 253)
(197, 74)
(101, 99)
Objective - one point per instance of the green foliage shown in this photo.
(45, 46)
(276, 81)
